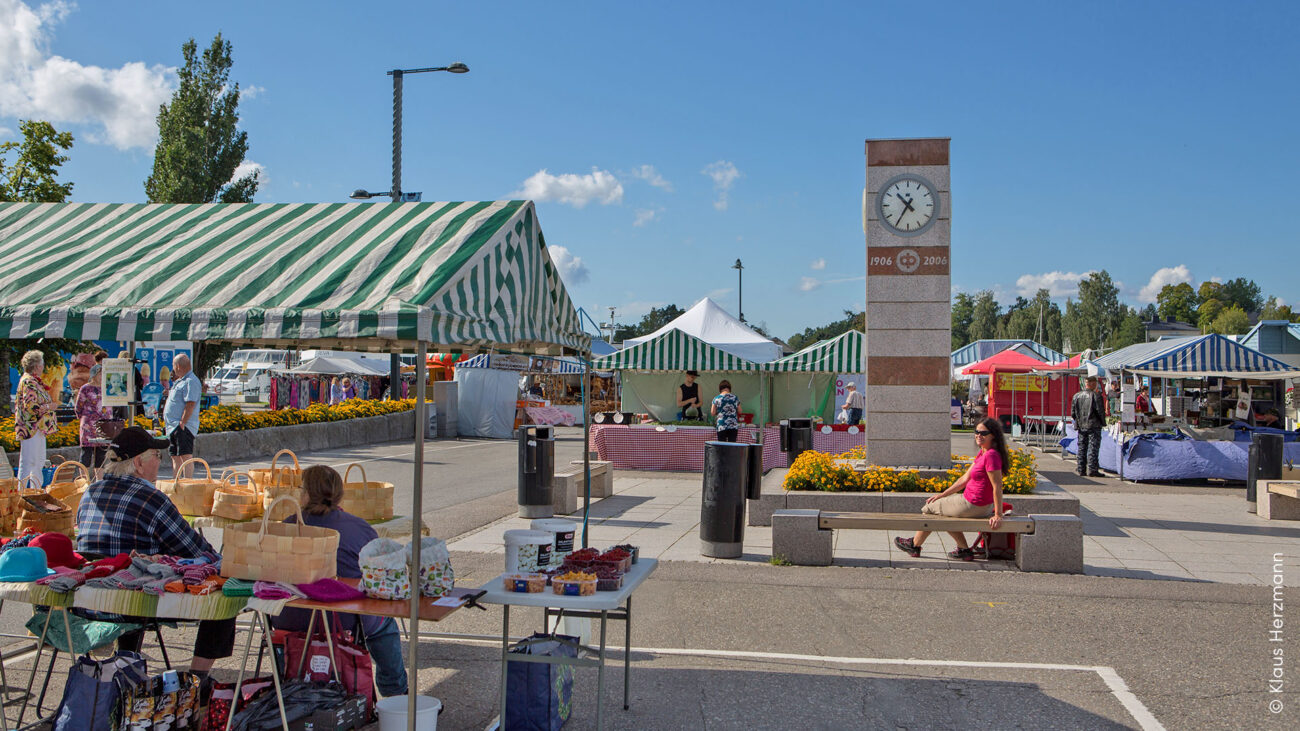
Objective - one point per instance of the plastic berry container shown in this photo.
(608, 580)
(634, 550)
(525, 583)
(574, 586)
(619, 559)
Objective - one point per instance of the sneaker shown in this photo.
(906, 545)
(962, 554)
(1096, 473)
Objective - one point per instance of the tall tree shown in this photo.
(1209, 291)
(1231, 321)
(33, 175)
(199, 143)
(851, 321)
(1274, 310)
(656, 318)
(985, 316)
(1178, 301)
(963, 309)
(1130, 330)
(1243, 293)
(1206, 313)
(1094, 320)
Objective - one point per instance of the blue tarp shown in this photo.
(1175, 456)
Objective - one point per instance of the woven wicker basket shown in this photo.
(290, 552)
(69, 491)
(11, 501)
(277, 482)
(191, 495)
(235, 501)
(59, 519)
(367, 500)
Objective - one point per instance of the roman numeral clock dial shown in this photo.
(907, 205)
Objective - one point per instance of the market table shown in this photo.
(1038, 425)
(603, 605)
(433, 610)
(681, 448)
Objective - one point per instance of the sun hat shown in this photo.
(693, 373)
(58, 550)
(24, 564)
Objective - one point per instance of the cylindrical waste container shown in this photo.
(1264, 462)
(754, 475)
(536, 471)
(722, 502)
(796, 438)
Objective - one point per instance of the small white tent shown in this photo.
(715, 326)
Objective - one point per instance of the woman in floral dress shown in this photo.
(90, 409)
(33, 416)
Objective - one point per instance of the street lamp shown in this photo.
(740, 299)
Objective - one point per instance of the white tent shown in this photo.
(325, 365)
(715, 326)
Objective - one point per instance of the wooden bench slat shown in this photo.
(1288, 490)
(917, 521)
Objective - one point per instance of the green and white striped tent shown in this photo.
(673, 351)
(360, 276)
(842, 354)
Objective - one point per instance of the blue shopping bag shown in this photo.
(47, 476)
(92, 697)
(539, 696)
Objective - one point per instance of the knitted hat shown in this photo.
(58, 550)
(330, 590)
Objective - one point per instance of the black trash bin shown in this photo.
(722, 503)
(536, 471)
(754, 476)
(796, 438)
(1264, 462)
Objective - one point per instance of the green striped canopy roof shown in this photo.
(673, 351)
(841, 354)
(359, 275)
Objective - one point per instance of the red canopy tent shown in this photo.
(1013, 392)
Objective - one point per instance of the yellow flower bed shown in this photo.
(231, 418)
(819, 471)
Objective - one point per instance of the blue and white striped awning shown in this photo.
(556, 366)
(1206, 356)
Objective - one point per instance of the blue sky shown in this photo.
(1155, 140)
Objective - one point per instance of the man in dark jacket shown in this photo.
(1088, 409)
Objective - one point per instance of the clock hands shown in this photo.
(907, 206)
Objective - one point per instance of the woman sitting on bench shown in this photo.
(976, 494)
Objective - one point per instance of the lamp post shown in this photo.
(395, 192)
(740, 276)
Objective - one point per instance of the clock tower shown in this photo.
(907, 219)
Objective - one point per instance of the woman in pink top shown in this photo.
(976, 494)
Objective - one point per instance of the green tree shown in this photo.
(33, 175)
(1243, 293)
(1130, 330)
(851, 321)
(1206, 313)
(656, 318)
(1094, 320)
(963, 309)
(1276, 311)
(1178, 301)
(985, 316)
(199, 143)
(1231, 321)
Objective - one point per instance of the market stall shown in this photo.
(378, 277)
(1020, 386)
(1205, 393)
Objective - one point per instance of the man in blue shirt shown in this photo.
(181, 414)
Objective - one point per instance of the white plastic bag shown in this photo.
(436, 575)
(842, 417)
(385, 571)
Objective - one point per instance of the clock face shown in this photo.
(908, 205)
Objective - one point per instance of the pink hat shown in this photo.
(330, 590)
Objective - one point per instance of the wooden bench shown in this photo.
(567, 485)
(1052, 543)
(1277, 499)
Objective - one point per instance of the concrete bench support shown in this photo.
(1055, 546)
(797, 537)
(1278, 499)
(564, 491)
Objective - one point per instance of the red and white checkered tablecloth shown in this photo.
(682, 450)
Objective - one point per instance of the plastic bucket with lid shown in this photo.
(562, 532)
(393, 713)
(527, 550)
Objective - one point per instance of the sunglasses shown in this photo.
(979, 433)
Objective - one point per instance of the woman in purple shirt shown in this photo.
(323, 489)
(976, 494)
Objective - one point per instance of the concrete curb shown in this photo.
(235, 446)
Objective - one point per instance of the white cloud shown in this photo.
(1059, 284)
(248, 167)
(718, 294)
(119, 104)
(576, 190)
(651, 176)
(250, 91)
(1216, 279)
(808, 284)
(572, 269)
(724, 174)
(818, 264)
(645, 216)
(1163, 276)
